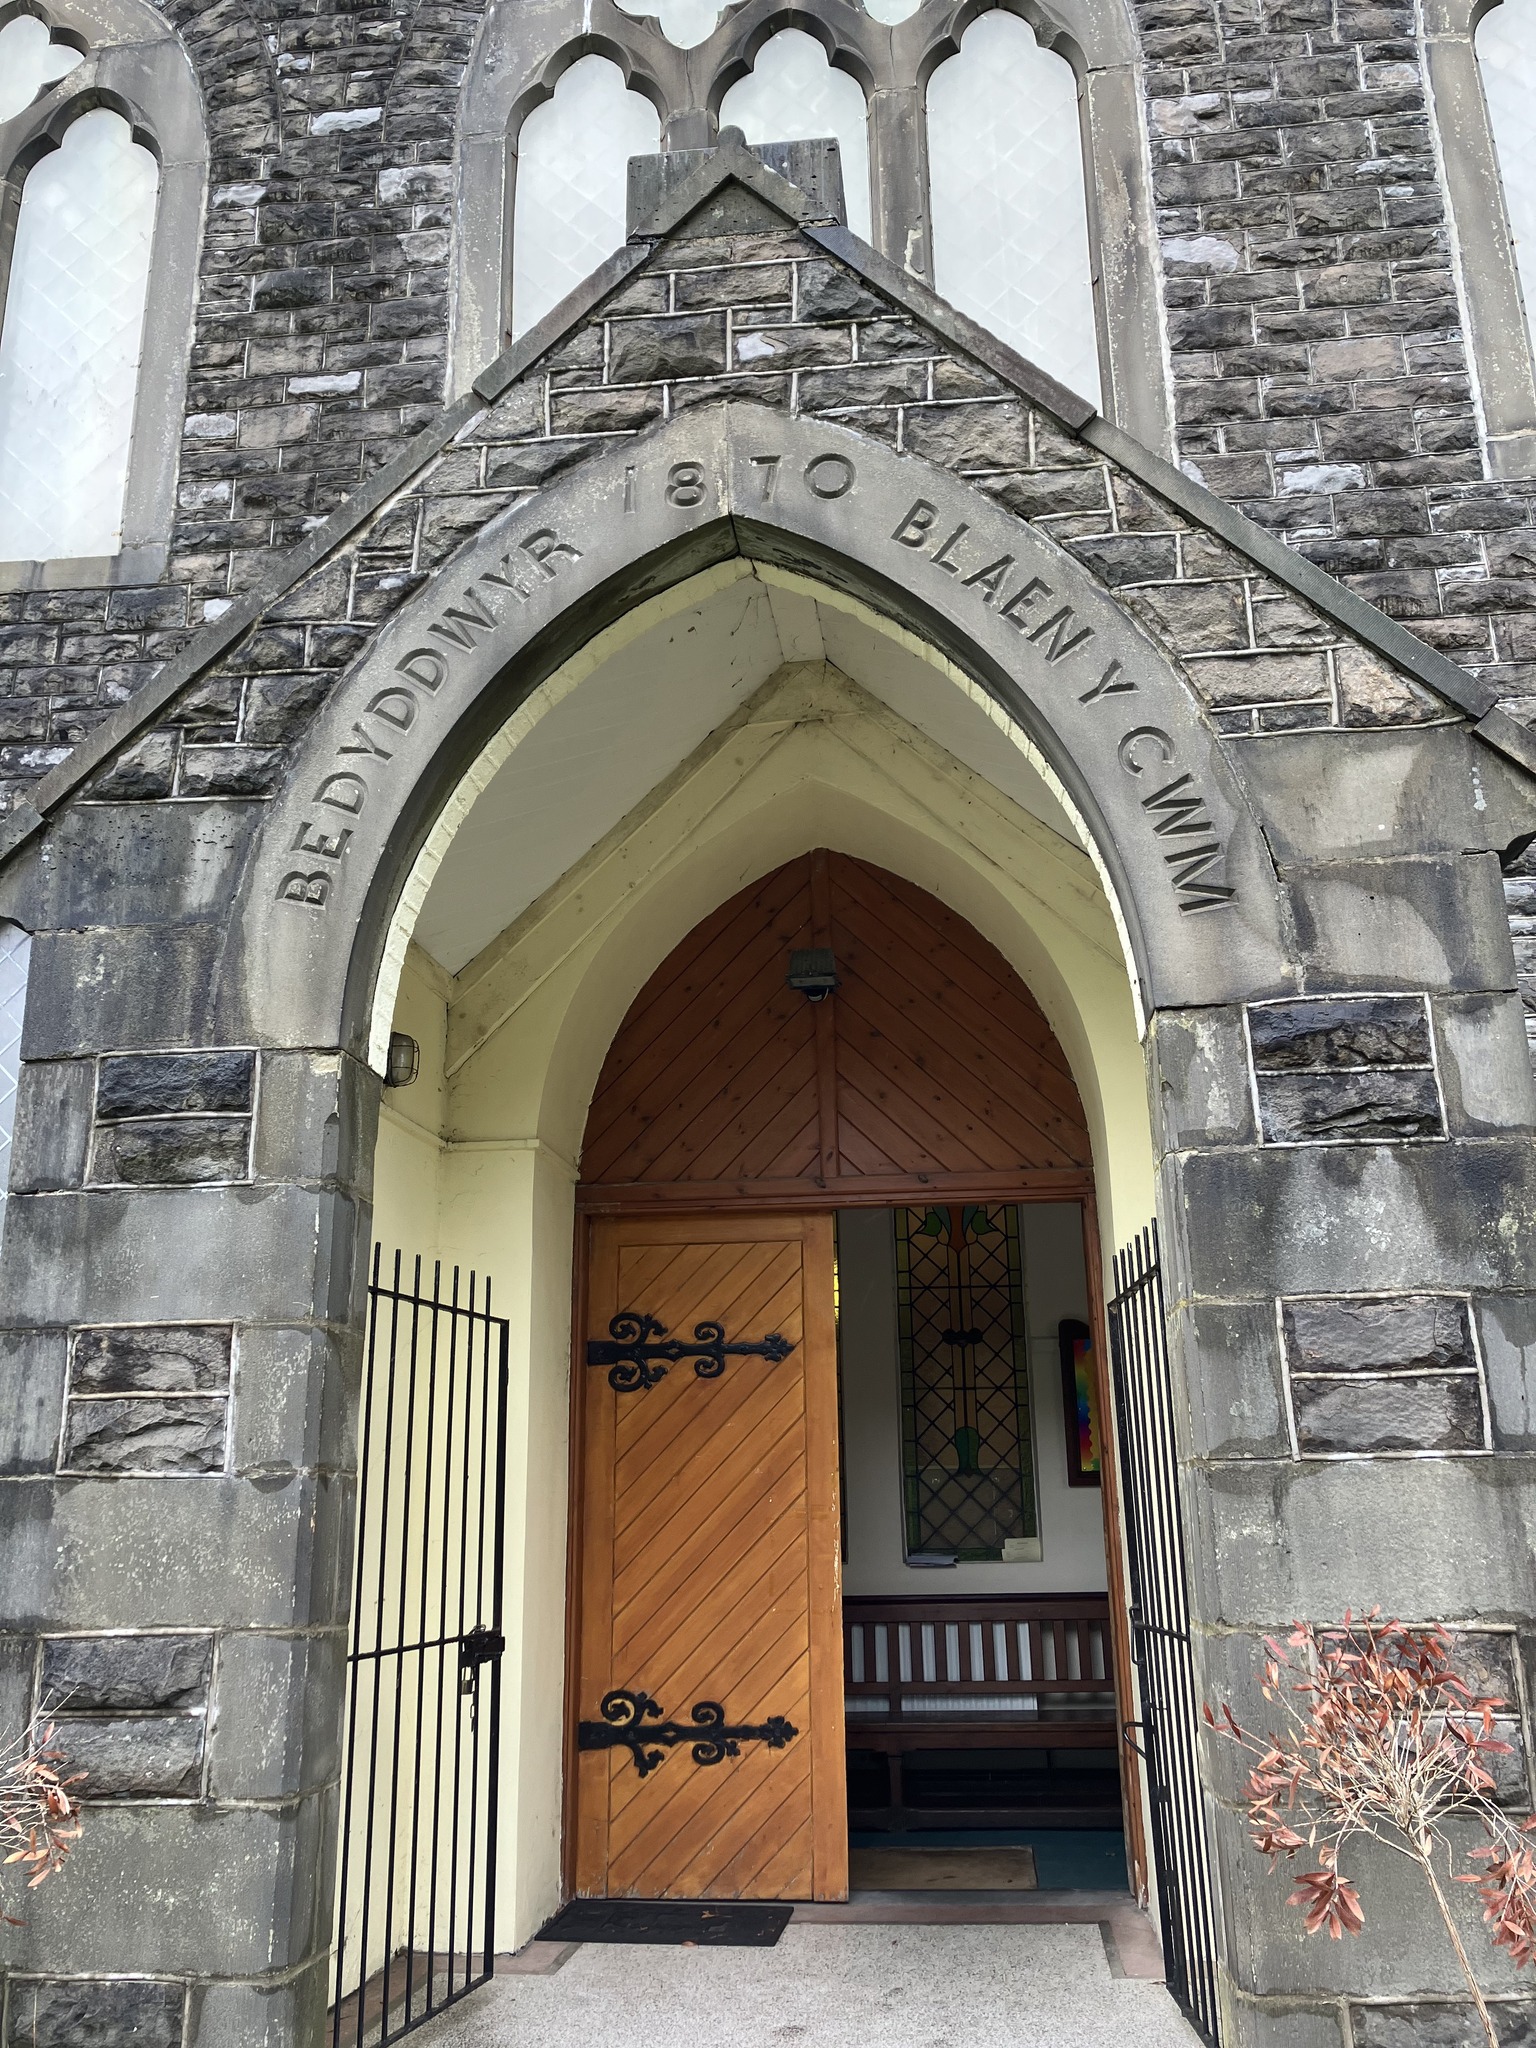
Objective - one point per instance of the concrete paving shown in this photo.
(840, 1986)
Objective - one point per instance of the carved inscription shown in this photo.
(1175, 811)
(1178, 822)
(473, 615)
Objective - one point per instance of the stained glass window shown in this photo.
(968, 1460)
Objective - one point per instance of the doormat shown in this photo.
(942, 1870)
(666, 1924)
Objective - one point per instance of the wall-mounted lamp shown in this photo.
(403, 1062)
(813, 972)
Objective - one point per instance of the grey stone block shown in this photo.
(1436, 923)
(1279, 2023)
(1358, 1031)
(263, 2015)
(1421, 2023)
(1485, 1063)
(88, 990)
(114, 1673)
(1233, 1381)
(1507, 1327)
(989, 434)
(100, 2013)
(1306, 1219)
(173, 1084)
(297, 1401)
(87, 1554)
(1200, 1078)
(1302, 1108)
(252, 1250)
(1378, 1334)
(168, 1887)
(152, 1358)
(147, 1433)
(159, 1757)
(50, 1140)
(276, 1729)
(172, 1151)
(674, 345)
(1434, 1413)
(33, 1364)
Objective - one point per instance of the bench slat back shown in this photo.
(1046, 1652)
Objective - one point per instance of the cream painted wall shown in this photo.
(1071, 1520)
(811, 760)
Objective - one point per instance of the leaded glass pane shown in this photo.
(29, 60)
(1010, 214)
(968, 1459)
(69, 348)
(15, 952)
(573, 157)
(685, 23)
(1506, 51)
(792, 94)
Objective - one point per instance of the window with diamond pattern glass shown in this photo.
(792, 94)
(685, 23)
(573, 157)
(29, 60)
(1506, 55)
(967, 1459)
(1010, 215)
(69, 346)
(15, 950)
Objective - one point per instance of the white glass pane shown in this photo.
(15, 951)
(69, 348)
(683, 22)
(891, 10)
(28, 62)
(1010, 219)
(1506, 50)
(793, 94)
(573, 157)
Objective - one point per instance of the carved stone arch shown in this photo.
(751, 28)
(1104, 710)
(138, 65)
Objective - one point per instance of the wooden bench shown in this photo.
(952, 1673)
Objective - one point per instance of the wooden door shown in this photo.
(710, 1565)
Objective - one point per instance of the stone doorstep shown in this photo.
(1131, 1946)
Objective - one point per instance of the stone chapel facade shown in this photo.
(1255, 628)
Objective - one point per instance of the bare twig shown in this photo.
(1380, 1736)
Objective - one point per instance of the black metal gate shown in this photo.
(1160, 1638)
(415, 1912)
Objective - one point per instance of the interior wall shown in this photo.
(1071, 1519)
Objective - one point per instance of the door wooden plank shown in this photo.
(700, 1579)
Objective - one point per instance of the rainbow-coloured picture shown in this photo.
(1080, 1403)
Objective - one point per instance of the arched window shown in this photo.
(792, 94)
(573, 157)
(977, 144)
(1506, 55)
(71, 340)
(30, 60)
(103, 169)
(1009, 208)
(15, 956)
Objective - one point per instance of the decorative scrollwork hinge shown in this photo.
(633, 1358)
(632, 1721)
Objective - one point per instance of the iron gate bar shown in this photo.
(434, 1416)
(1160, 1629)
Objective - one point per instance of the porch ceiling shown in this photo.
(598, 750)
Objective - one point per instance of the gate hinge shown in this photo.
(480, 1646)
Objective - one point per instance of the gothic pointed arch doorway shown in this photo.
(831, 1039)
